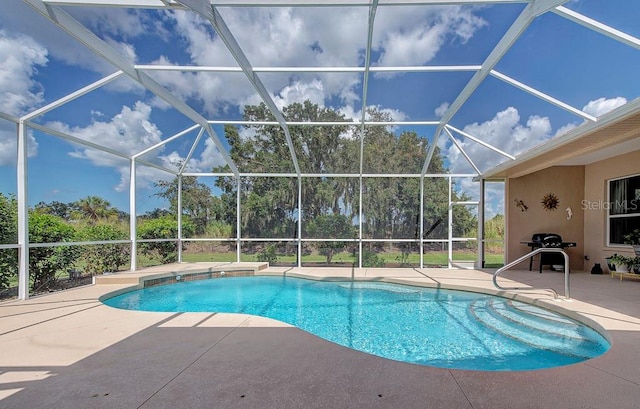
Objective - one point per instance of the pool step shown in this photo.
(533, 326)
(535, 318)
(532, 310)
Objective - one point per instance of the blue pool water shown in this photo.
(443, 328)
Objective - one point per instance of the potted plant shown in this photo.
(622, 263)
(636, 265)
(633, 238)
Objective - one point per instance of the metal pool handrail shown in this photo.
(528, 255)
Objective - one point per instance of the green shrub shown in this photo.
(45, 262)
(405, 252)
(100, 258)
(8, 235)
(268, 254)
(8, 266)
(218, 229)
(371, 259)
(162, 228)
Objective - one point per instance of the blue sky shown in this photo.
(40, 63)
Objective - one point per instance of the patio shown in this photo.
(67, 350)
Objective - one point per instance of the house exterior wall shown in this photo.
(567, 183)
(597, 176)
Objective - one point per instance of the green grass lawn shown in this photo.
(433, 258)
(430, 258)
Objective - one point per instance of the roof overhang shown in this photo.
(613, 134)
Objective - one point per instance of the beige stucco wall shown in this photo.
(584, 189)
(595, 216)
(567, 183)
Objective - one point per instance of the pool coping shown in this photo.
(187, 272)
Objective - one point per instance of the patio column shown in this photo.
(421, 245)
(23, 212)
(480, 258)
(132, 215)
(179, 218)
(299, 221)
(239, 185)
(360, 218)
(450, 227)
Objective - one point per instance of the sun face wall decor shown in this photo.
(550, 201)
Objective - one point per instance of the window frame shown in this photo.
(613, 204)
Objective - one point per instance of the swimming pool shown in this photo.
(442, 328)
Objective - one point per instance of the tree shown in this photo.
(197, 200)
(269, 204)
(91, 209)
(8, 235)
(391, 206)
(494, 233)
(331, 226)
(156, 213)
(62, 210)
(94, 208)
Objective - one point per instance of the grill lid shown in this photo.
(546, 237)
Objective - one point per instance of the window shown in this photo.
(624, 208)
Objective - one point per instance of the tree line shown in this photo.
(269, 205)
(91, 219)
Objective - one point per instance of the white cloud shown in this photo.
(308, 36)
(291, 36)
(9, 144)
(269, 36)
(17, 17)
(390, 114)
(20, 56)
(350, 113)
(414, 35)
(595, 108)
(393, 114)
(288, 37)
(413, 47)
(442, 109)
(505, 132)
(19, 92)
(566, 128)
(603, 105)
(494, 199)
(209, 158)
(128, 132)
(301, 92)
(119, 22)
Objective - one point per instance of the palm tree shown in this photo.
(94, 208)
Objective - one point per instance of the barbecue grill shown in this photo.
(552, 240)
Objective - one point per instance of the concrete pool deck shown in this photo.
(68, 350)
